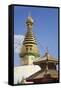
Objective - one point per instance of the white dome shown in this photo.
(24, 71)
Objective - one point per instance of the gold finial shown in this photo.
(46, 70)
(29, 19)
(46, 53)
(47, 50)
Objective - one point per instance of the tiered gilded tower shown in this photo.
(29, 51)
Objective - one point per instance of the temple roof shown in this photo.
(40, 74)
(44, 58)
(47, 57)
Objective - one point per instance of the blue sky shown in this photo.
(45, 27)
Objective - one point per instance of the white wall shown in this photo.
(4, 44)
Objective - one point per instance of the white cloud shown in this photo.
(18, 40)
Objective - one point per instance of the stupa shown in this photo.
(29, 51)
(28, 54)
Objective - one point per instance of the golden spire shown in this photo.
(29, 43)
(46, 53)
(29, 38)
(47, 50)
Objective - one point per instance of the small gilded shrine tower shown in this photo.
(29, 51)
